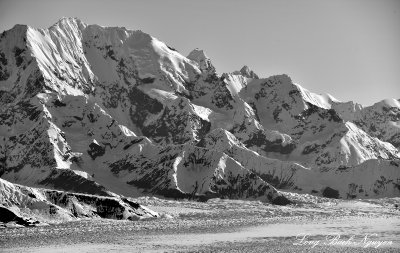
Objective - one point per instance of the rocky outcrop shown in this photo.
(246, 72)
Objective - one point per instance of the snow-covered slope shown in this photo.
(106, 110)
(323, 137)
(381, 120)
(372, 178)
(192, 172)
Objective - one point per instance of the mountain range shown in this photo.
(113, 112)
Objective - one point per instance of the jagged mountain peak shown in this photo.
(18, 27)
(203, 61)
(13, 38)
(284, 86)
(74, 21)
(246, 72)
(73, 57)
(197, 55)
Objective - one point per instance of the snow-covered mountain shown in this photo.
(106, 110)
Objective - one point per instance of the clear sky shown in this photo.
(348, 48)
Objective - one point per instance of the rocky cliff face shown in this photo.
(103, 110)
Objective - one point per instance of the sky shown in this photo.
(347, 48)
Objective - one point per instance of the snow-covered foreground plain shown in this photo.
(312, 225)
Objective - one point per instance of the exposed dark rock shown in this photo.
(69, 181)
(96, 150)
(330, 193)
(6, 215)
